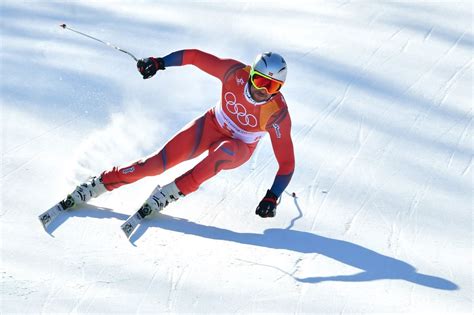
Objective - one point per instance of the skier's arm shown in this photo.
(206, 62)
(280, 135)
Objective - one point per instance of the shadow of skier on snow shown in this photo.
(87, 211)
(374, 266)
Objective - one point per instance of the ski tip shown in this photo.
(45, 220)
(127, 229)
(130, 226)
(45, 225)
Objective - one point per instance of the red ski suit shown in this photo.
(229, 131)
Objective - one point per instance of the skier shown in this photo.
(251, 105)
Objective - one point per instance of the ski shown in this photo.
(47, 217)
(50, 215)
(129, 226)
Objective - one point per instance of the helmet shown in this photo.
(272, 65)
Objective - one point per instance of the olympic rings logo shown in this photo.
(239, 110)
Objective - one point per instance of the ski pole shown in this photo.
(99, 40)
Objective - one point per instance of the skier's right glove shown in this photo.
(148, 66)
(267, 207)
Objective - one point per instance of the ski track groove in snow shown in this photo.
(177, 277)
(394, 235)
(464, 134)
(257, 292)
(425, 112)
(468, 167)
(395, 34)
(300, 287)
(48, 132)
(19, 167)
(456, 43)
(52, 293)
(350, 222)
(95, 283)
(428, 34)
(148, 289)
(329, 113)
(453, 79)
(340, 175)
(319, 117)
(430, 70)
(81, 300)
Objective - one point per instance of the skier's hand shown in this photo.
(267, 207)
(148, 66)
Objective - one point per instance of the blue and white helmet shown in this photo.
(272, 65)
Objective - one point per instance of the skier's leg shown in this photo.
(191, 141)
(223, 155)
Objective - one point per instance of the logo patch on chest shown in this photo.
(239, 111)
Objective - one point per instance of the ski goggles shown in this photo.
(261, 81)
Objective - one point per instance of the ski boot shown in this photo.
(159, 199)
(82, 194)
(92, 188)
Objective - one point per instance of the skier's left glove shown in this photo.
(148, 66)
(267, 207)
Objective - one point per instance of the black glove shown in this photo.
(148, 66)
(267, 207)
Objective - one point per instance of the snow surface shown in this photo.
(381, 100)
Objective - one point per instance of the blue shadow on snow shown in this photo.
(374, 266)
(88, 211)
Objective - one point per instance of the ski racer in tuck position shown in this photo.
(251, 105)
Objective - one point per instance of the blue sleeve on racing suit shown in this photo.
(174, 59)
(280, 183)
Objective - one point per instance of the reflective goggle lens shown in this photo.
(260, 81)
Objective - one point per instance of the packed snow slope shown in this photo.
(380, 95)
